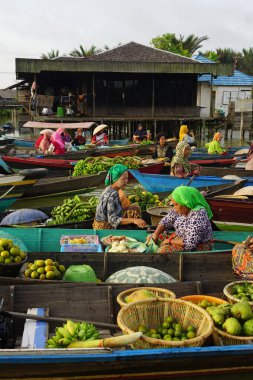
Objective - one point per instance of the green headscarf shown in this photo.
(115, 173)
(179, 157)
(191, 198)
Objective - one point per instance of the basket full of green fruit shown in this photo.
(12, 257)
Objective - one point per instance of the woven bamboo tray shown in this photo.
(228, 288)
(159, 292)
(152, 312)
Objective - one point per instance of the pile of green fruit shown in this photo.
(169, 330)
(243, 291)
(10, 252)
(144, 199)
(236, 319)
(73, 210)
(71, 332)
(45, 270)
(94, 165)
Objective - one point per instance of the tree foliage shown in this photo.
(84, 52)
(183, 45)
(50, 55)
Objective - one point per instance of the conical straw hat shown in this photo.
(99, 128)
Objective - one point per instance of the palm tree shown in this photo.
(192, 42)
(84, 52)
(51, 55)
(227, 55)
(246, 62)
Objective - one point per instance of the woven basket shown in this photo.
(154, 311)
(199, 297)
(12, 269)
(228, 288)
(220, 338)
(159, 292)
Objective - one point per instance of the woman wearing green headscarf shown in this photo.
(113, 208)
(190, 218)
(180, 166)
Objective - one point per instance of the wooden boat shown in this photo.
(203, 363)
(214, 161)
(33, 162)
(159, 183)
(13, 186)
(230, 213)
(221, 172)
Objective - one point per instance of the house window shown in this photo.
(229, 96)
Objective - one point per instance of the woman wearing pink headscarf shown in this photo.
(45, 142)
(58, 142)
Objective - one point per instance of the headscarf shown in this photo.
(56, 136)
(183, 131)
(191, 198)
(216, 136)
(179, 157)
(115, 173)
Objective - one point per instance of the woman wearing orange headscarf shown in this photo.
(214, 147)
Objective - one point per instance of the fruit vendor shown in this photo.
(180, 166)
(163, 150)
(114, 209)
(191, 220)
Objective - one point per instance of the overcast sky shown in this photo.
(29, 28)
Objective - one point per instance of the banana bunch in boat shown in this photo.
(94, 165)
(72, 332)
(73, 210)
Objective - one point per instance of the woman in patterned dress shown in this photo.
(191, 220)
(114, 209)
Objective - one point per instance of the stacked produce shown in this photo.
(169, 330)
(45, 270)
(94, 165)
(144, 199)
(72, 332)
(243, 291)
(236, 319)
(73, 210)
(9, 252)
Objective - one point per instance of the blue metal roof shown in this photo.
(238, 79)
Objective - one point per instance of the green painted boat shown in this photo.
(233, 226)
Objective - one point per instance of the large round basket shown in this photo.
(158, 292)
(220, 338)
(152, 313)
(199, 297)
(157, 213)
(12, 269)
(228, 291)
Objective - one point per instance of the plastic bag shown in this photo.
(51, 148)
(152, 247)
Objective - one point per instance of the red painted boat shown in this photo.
(34, 162)
(214, 162)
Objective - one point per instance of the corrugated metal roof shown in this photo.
(238, 79)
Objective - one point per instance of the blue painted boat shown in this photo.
(159, 183)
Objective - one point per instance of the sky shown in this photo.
(31, 27)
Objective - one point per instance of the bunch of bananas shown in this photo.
(94, 165)
(71, 332)
(73, 210)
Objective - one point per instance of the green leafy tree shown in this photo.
(227, 55)
(51, 55)
(245, 64)
(192, 43)
(169, 42)
(210, 54)
(183, 45)
(84, 52)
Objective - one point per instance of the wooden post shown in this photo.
(93, 95)
(153, 96)
(203, 134)
(241, 127)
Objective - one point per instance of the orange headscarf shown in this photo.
(216, 136)
(183, 131)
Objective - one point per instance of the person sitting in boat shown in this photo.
(114, 208)
(99, 136)
(140, 134)
(79, 138)
(163, 150)
(190, 218)
(180, 166)
(58, 141)
(214, 147)
(46, 141)
(186, 135)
